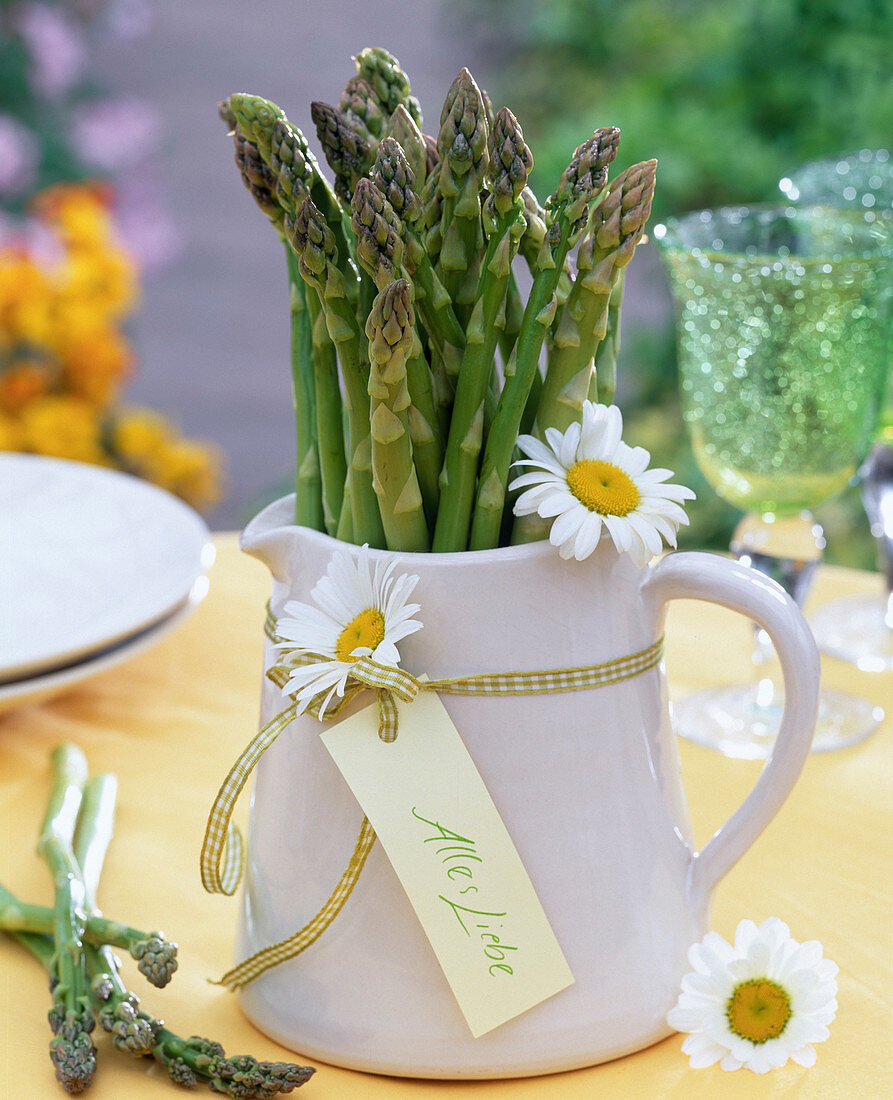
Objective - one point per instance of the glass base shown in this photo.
(854, 629)
(738, 723)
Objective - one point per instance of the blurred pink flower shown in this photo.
(19, 154)
(56, 45)
(144, 225)
(115, 134)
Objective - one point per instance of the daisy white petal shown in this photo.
(758, 1002)
(588, 471)
(360, 609)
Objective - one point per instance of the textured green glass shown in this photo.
(784, 326)
(861, 180)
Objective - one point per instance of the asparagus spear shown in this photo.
(71, 1017)
(462, 146)
(391, 332)
(377, 228)
(348, 153)
(308, 477)
(360, 107)
(117, 1008)
(603, 382)
(510, 162)
(255, 117)
(258, 178)
(618, 228)
(618, 223)
(403, 129)
(156, 956)
(314, 244)
(390, 83)
(297, 171)
(394, 177)
(567, 213)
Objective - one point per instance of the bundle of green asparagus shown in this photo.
(416, 362)
(74, 942)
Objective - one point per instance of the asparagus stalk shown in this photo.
(510, 162)
(314, 244)
(390, 83)
(348, 153)
(360, 108)
(403, 129)
(156, 956)
(118, 1010)
(71, 1017)
(377, 228)
(391, 332)
(308, 479)
(462, 145)
(297, 171)
(603, 383)
(566, 217)
(394, 177)
(618, 223)
(258, 178)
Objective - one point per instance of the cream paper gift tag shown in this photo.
(454, 858)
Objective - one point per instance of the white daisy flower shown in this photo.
(587, 477)
(359, 612)
(757, 1003)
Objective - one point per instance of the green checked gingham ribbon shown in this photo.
(222, 855)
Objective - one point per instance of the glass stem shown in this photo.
(876, 476)
(789, 550)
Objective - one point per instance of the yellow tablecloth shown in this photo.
(170, 722)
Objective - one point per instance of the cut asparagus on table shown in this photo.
(71, 1017)
(75, 836)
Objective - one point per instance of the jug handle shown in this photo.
(700, 576)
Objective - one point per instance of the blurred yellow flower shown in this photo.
(22, 382)
(95, 362)
(26, 301)
(65, 427)
(10, 433)
(64, 354)
(147, 445)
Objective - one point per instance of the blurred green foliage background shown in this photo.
(729, 96)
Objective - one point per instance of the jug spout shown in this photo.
(269, 537)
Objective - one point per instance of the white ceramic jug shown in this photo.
(588, 785)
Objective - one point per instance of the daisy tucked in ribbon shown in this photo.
(758, 1003)
(359, 613)
(586, 477)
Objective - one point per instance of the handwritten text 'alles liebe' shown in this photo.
(462, 863)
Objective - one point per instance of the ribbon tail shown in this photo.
(277, 953)
(222, 841)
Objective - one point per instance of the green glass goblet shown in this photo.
(783, 323)
(859, 629)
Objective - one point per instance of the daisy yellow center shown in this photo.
(758, 1010)
(365, 629)
(603, 487)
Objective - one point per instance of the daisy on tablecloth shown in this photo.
(587, 477)
(756, 1003)
(359, 612)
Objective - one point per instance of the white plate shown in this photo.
(89, 557)
(35, 689)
